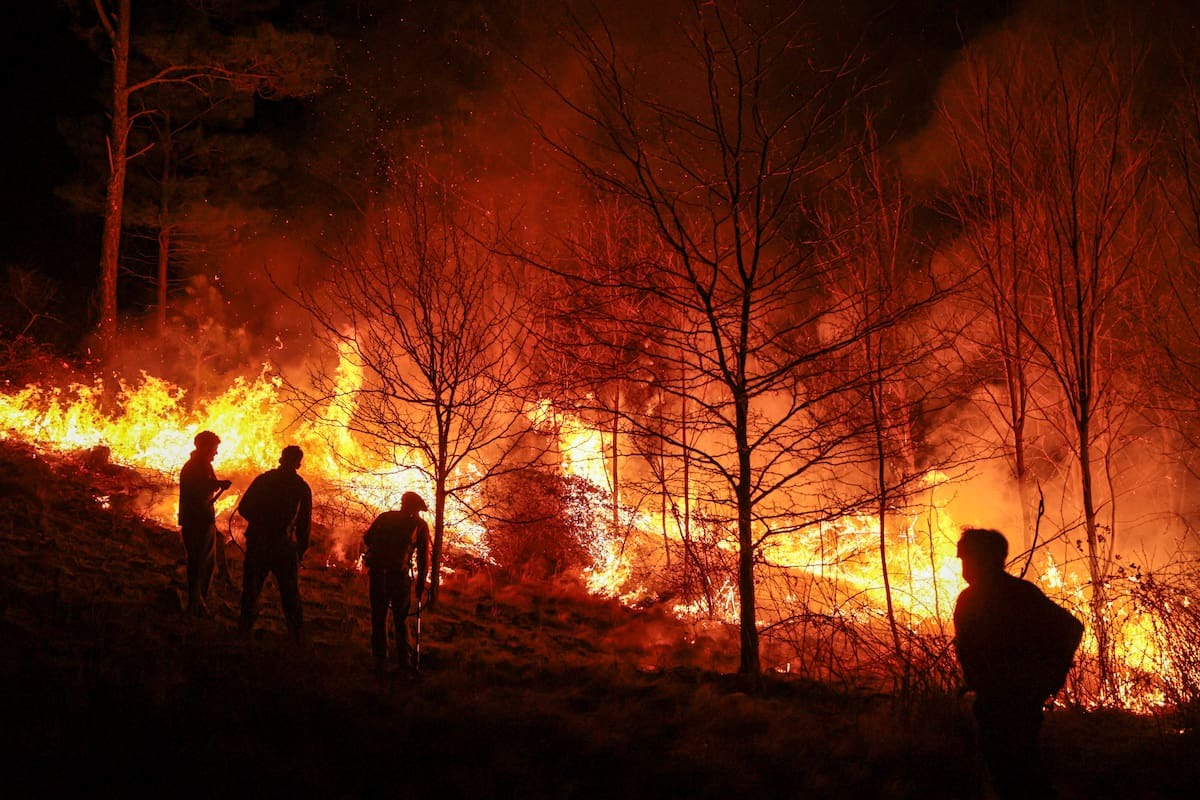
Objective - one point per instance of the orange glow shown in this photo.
(149, 426)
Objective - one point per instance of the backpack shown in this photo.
(1063, 633)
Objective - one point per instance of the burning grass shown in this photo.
(527, 689)
(820, 590)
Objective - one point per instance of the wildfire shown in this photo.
(149, 425)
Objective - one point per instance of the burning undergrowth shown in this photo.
(537, 689)
(819, 588)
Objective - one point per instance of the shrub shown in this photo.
(541, 523)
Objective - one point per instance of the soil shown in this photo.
(529, 691)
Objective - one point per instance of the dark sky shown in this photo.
(52, 77)
(48, 74)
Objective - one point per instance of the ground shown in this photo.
(524, 691)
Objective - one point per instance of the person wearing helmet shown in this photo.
(278, 507)
(391, 541)
(198, 490)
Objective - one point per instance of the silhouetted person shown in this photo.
(198, 490)
(278, 507)
(1015, 647)
(391, 541)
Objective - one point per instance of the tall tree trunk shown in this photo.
(616, 472)
(441, 473)
(165, 231)
(882, 510)
(164, 260)
(685, 524)
(439, 529)
(1098, 574)
(1014, 375)
(687, 470)
(664, 500)
(114, 206)
(749, 664)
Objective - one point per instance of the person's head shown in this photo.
(412, 503)
(983, 552)
(206, 443)
(291, 457)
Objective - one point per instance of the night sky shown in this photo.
(49, 75)
(54, 81)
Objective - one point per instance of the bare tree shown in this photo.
(989, 125)
(26, 301)
(1175, 367)
(1093, 242)
(868, 227)
(606, 243)
(607, 369)
(266, 62)
(205, 181)
(724, 158)
(1073, 159)
(430, 315)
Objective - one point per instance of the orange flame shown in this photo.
(150, 427)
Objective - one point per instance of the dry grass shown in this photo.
(526, 691)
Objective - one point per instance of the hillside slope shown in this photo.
(530, 692)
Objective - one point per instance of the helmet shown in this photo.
(412, 501)
(205, 439)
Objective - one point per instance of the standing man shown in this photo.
(198, 490)
(1015, 647)
(391, 541)
(278, 507)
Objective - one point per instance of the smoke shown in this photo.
(459, 88)
(475, 127)
(1139, 480)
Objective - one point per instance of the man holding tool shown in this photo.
(391, 541)
(198, 491)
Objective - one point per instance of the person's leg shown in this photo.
(1008, 738)
(222, 562)
(193, 545)
(287, 574)
(254, 575)
(1035, 780)
(400, 591)
(208, 559)
(377, 591)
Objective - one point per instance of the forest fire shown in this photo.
(148, 425)
(708, 335)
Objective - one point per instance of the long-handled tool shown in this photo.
(418, 660)
(417, 614)
(219, 545)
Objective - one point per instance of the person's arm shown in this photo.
(372, 534)
(422, 558)
(304, 520)
(965, 642)
(1062, 634)
(198, 487)
(247, 505)
(205, 482)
